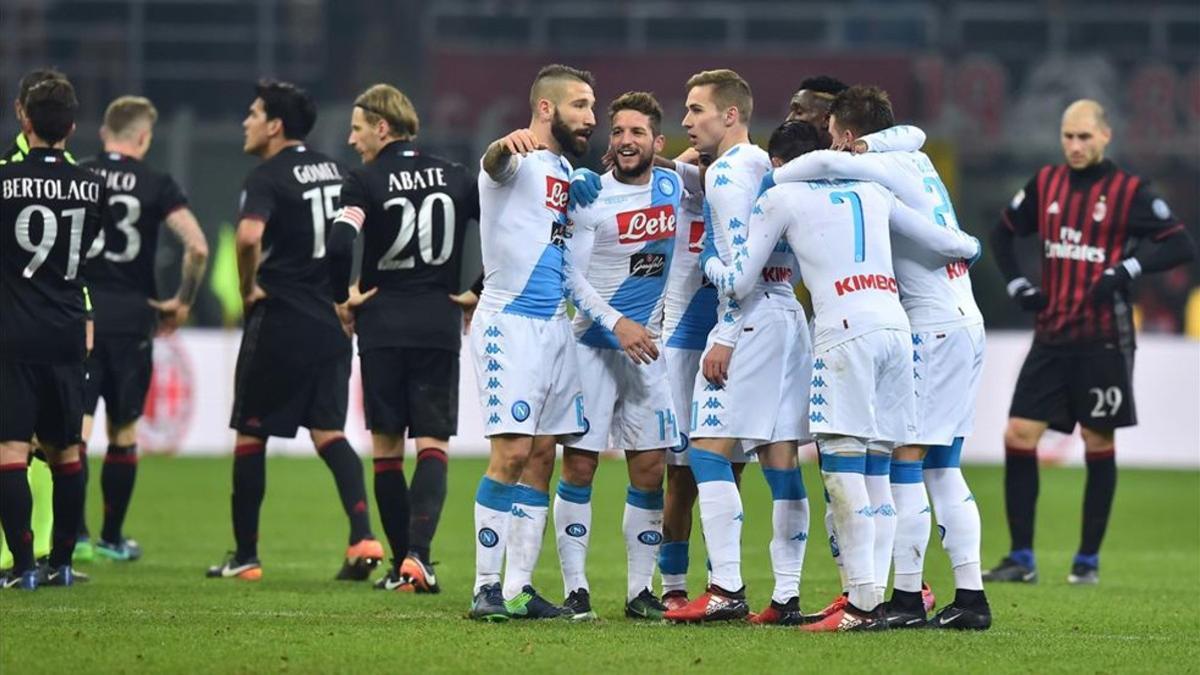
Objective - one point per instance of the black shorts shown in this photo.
(1063, 386)
(277, 390)
(119, 372)
(45, 399)
(411, 389)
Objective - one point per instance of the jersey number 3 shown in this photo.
(419, 221)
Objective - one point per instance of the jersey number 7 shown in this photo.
(860, 247)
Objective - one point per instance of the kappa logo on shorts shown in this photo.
(711, 421)
(916, 339)
(492, 348)
(576, 530)
(816, 417)
(713, 404)
(818, 381)
(520, 411)
(709, 386)
(817, 399)
(493, 401)
(650, 538)
(488, 537)
(493, 332)
(494, 419)
(493, 365)
(819, 364)
(494, 383)
(917, 358)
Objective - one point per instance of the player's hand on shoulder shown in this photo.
(468, 300)
(585, 187)
(1030, 298)
(858, 147)
(637, 342)
(172, 314)
(716, 364)
(521, 142)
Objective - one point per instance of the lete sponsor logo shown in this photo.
(649, 224)
(169, 399)
(557, 194)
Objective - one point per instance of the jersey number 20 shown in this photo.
(420, 221)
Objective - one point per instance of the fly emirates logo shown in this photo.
(1070, 246)
(650, 224)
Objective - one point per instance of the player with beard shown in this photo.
(623, 246)
(522, 346)
(293, 368)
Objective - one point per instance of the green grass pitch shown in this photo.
(161, 615)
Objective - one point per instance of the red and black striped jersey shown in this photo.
(1087, 220)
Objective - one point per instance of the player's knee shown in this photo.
(646, 470)
(579, 466)
(321, 437)
(123, 435)
(387, 446)
(1021, 433)
(1097, 441)
(909, 453)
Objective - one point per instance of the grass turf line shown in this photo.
(160, 614)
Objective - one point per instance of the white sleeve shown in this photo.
(824, 164)
(739, 278)
(576, 259)
(508, 169)
(731, 199)
(690, 173)
(903, 137)
(950, 242)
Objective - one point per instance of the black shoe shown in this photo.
(1011, 570)
(779, 614)
(249, 569)
(850, 619)
(954, 617)
(391, 581)
(900, 617)
(63, 575)
(530, 605)
(579, 603)
(488, 604)
(645, 606)
(26, 581)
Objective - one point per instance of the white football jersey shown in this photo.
(523, 230)
(730, 188)
(936, 293)
(690, 303)
(622, 244)
(840, 233)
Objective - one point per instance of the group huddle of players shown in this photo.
(688, 348)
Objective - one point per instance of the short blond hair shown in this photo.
(123, 115)
(387, 103)
(729, 90)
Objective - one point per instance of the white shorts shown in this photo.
(682, 366)
(947, 368)
(765, 397)
(863, 387)
(628, 405)
(527, 375)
